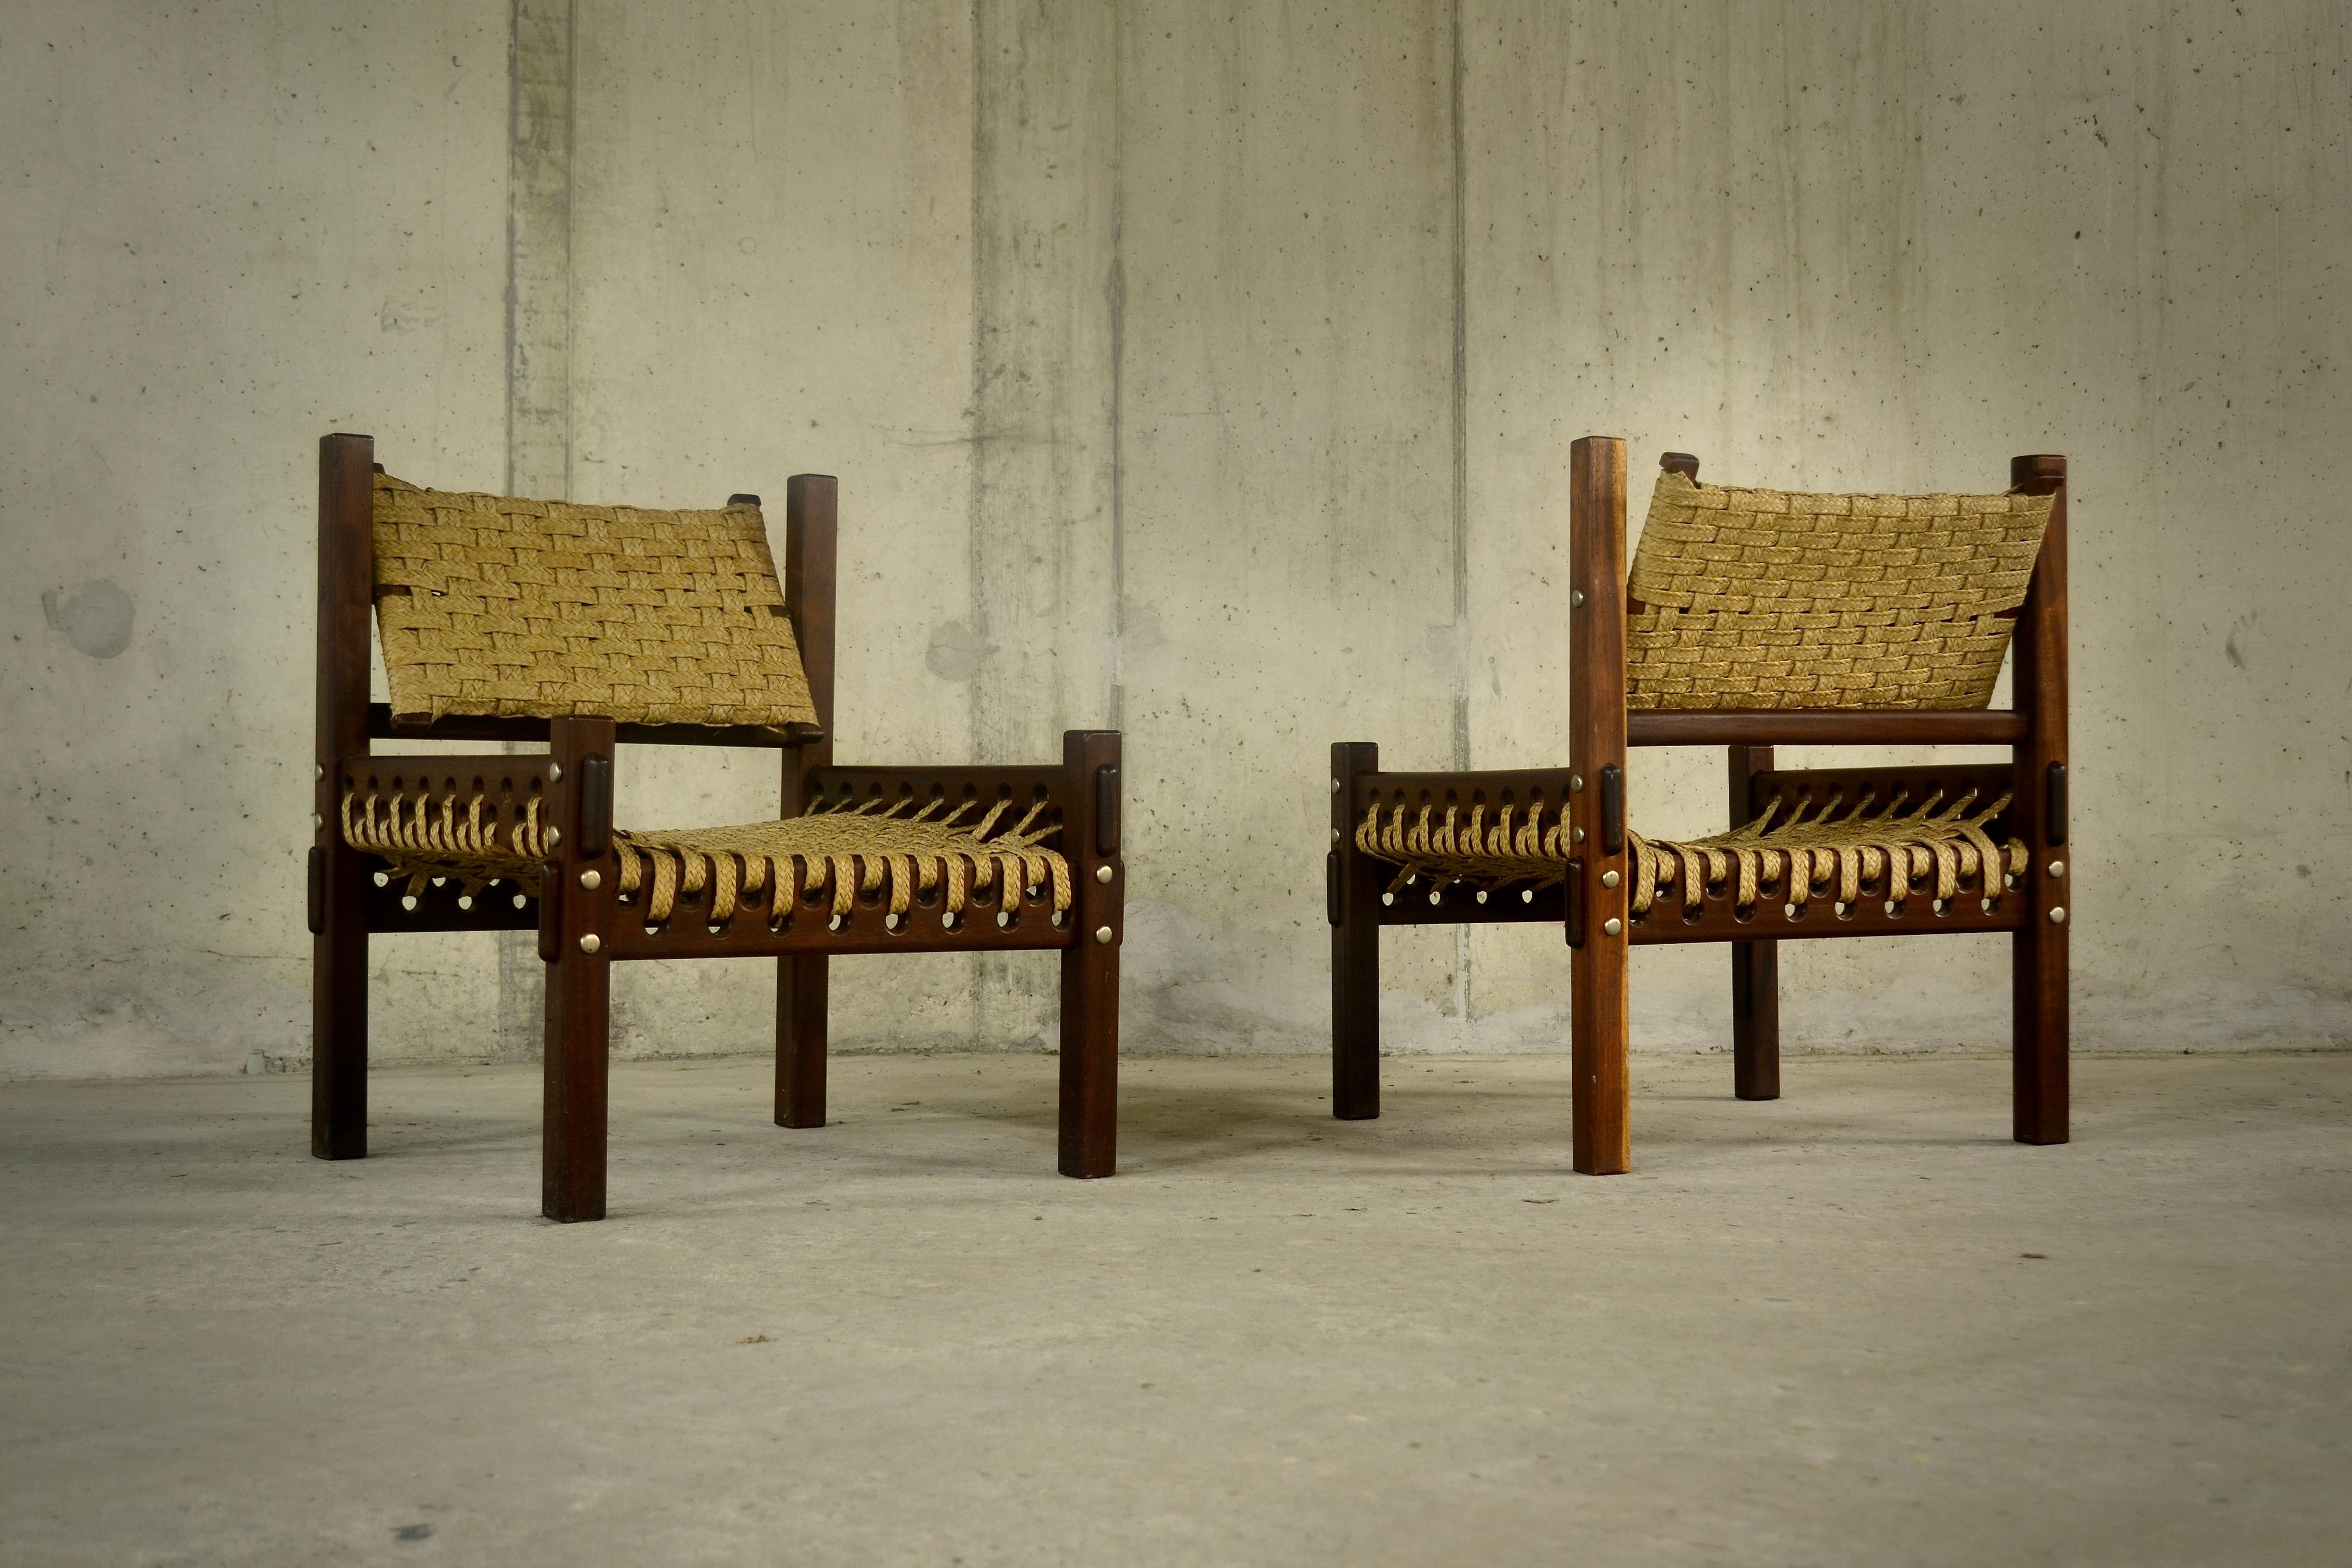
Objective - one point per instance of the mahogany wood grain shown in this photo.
(571, 1155)
(1823, 727)
(1089, 841)
(1598, 1016)
(339, 952)
(1755, 965)
(2039, 963)
(1355, 940)
(811, 534)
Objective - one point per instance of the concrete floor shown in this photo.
(1855, 1326)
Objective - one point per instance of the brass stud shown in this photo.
(1576, 783)
(1609, 879)
(1613, 925)
(1576, 835)
(555, 772)
(1103, 873)
(590, 943)
(2058, 915)
(1334, 786)
(318, 823)
(320, 769)
(1335, 836)
(1576, 598)
(591, 879)
(554, 836)
(2057, 867)
(1103, 935)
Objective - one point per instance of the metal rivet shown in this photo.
(2058, 916)
(590, 880)
(590, 943)
(1576, 835)
(1609, 879)
(320, 769)
(2057, 867)
(1103, 874)
(555, 772)
(1576, 598)
(1576, 783)
(318, 823)
(1103, 935)
(1613, 925)
(554, 836)
(1334, 786)
(1335, 836)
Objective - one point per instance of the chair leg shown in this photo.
(1089, 1133)
(339, 1030)
(1599, 1034)
(572, 1179)
(2040, 1042)
(1756, 1020)
(1353, 897)
(801, 997)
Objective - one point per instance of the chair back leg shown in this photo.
(1599, 1024)
(801, 1002)
(2038, 779)
(339, 922)
(1353, 893)
(1755, 965)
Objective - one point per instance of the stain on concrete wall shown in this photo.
(1209, 372)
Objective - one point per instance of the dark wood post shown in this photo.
(1599, 1016)
(339, 944)
(1090, 842)
(1352, 901)
(2038, 810)
(577, 887)
(1755, 965)
(809, 519)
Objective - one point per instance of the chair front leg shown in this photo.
(802, 999)
(1090, 843)
(578, 884)
(1353, 895)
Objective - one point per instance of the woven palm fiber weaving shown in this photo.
(490, 604)
(1832, 850)
(1748, 598)
(1744, 598)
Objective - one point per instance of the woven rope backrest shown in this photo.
(490, 605)
(1773, 599)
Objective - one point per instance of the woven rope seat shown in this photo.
(1750, 599)
(1835, 850)
(908, 851)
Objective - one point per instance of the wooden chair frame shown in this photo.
(583, 932)
(1592, 904)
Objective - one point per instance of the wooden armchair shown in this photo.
(1752, 618)
(581, 626)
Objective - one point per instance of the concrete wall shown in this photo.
(1204, 370)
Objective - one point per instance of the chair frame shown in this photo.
(581, 929)
(1593, 905)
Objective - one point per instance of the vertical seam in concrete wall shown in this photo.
(1460, 401)
(1116, 303)
(541, 78)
